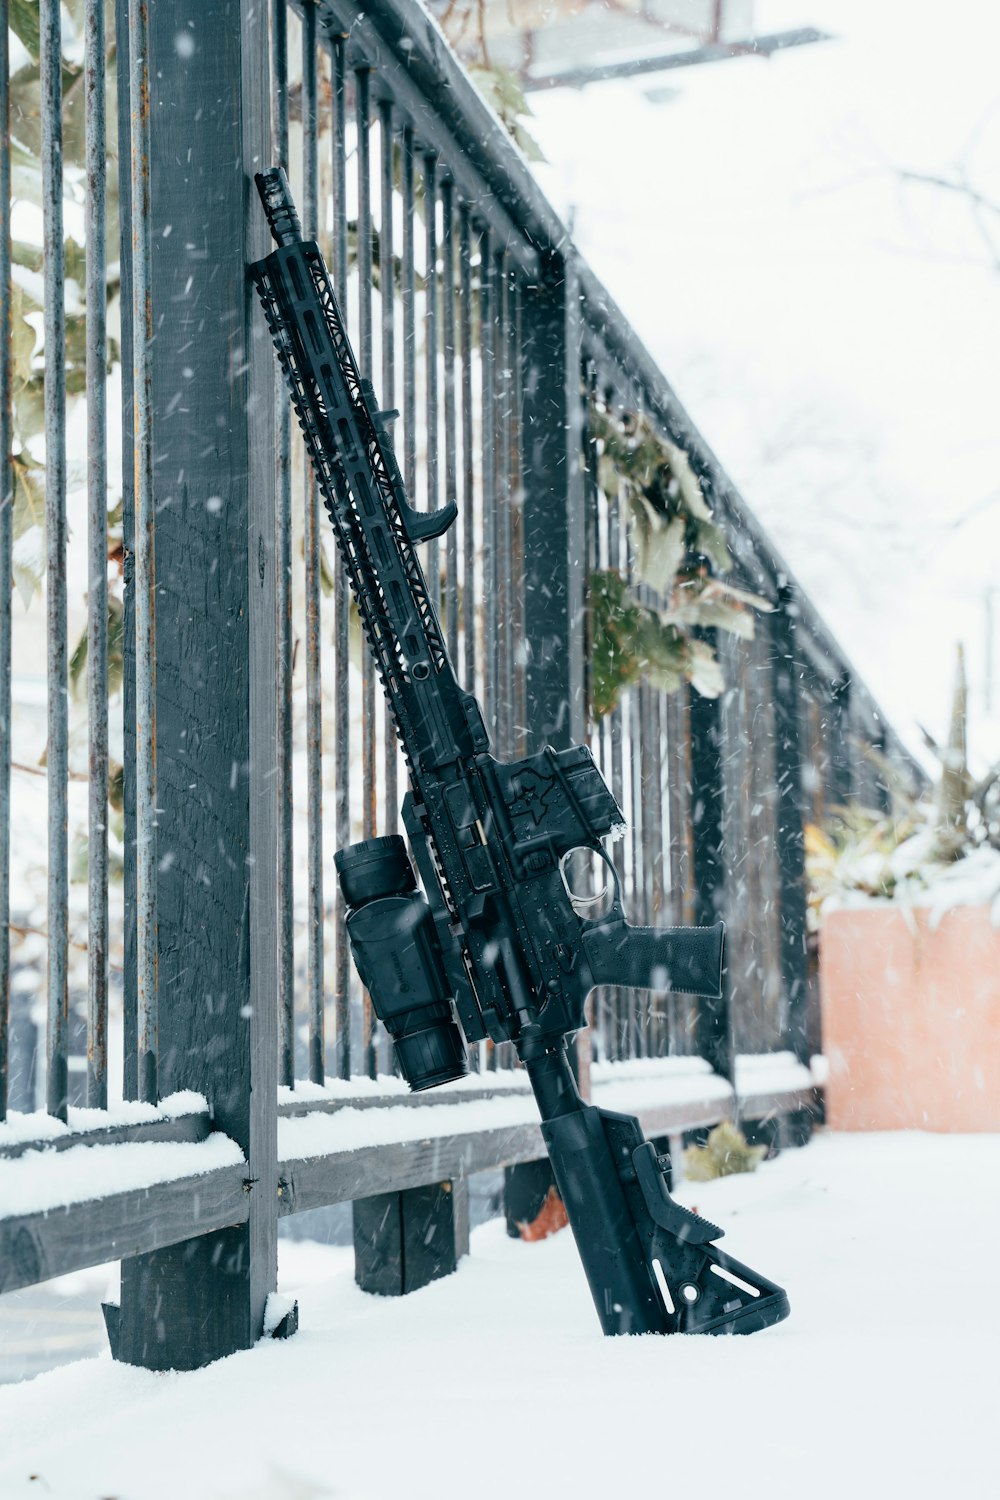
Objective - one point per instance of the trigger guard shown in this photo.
(585, 902)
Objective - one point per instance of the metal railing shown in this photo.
(252, 740)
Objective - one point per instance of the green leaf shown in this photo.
(116, 786)
(705, 674)
(75, 259)
(28, 563)
(724, 1154)
(23, 20)
(711, 543)
(23, 254)
(327, 576)
(709, 613)
(659, 548)
(29, 409)
(25, 178)
(29, 494)
(608, 476)
(503, 92)
(116, 653)
(24, 335)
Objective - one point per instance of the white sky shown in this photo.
(833, 331)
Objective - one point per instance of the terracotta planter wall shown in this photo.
(911, 1019)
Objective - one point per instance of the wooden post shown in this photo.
(841, 752)
(403, 1241)
(211, 418)
(788, 830)
(554, 509)
(708, 872)
(554, 528)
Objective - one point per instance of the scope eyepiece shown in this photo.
(397, 953)
(276, 196)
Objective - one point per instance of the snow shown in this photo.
(496, 1380)
(771, 1073)
(831, 327)
(387, 1086)
(638, 1084)
(354, 1129)
(39, 1126)
(42, 1180)
(971, 881)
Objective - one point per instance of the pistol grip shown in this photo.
(667, 960)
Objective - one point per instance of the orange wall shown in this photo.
(911, 1019)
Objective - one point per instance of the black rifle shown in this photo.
(499, 937)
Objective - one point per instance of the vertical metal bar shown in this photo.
(468, 466)
(520, 744)
(616, 736)
(6, 545)
(313, 634)
(655, 873)
(341, 681)
(469, 592)
(145, 597)
(97, 579)
(130, 1019)
(505, 644)
(648, 763)
(431, 353)
(601, 1001)
(283, 610)
(370, 812)
(409, 290)
(450, 441)
(55, 536)
(387, 289)
(489, 542)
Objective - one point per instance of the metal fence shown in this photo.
(215, 637)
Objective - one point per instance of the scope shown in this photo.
(398, 956)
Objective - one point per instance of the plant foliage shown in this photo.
(882, 856)
(649, 629)
(28, 350)
(724, 1154)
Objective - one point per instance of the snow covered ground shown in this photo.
(496, 1381)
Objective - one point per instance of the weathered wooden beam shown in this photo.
(341, 1177)
(35, 1247)
(193, 1127)
(296, 1108)
(214, 1206)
